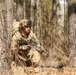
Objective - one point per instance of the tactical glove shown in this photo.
(45, 53)
(25, 47)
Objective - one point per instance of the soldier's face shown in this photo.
(27, 29)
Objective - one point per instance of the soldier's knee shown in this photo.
(35, 58)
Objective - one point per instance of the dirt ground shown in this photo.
(45, 71)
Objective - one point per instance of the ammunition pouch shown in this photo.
(22, 41)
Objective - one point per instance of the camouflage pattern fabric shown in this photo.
(34, 55)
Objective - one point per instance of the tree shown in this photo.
(72, 31)
(5, 31)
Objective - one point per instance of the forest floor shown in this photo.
(48, 71)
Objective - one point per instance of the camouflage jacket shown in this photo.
(15, 43)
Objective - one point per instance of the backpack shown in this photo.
(15, 27)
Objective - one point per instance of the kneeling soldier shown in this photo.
(25, 46)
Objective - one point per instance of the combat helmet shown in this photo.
(26, 22)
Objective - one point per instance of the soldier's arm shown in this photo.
(40, 47)
(35, 39)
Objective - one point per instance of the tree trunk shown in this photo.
(5, 31)
(72, 31)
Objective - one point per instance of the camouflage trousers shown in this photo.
(35, 58)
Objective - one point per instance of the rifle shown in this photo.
(39, 49)
(33, 46)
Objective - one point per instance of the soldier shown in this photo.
(25, 45)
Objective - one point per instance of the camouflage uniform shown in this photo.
(28, 48)
(34, 54)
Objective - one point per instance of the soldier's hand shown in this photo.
(25, 47)
(45, 53)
